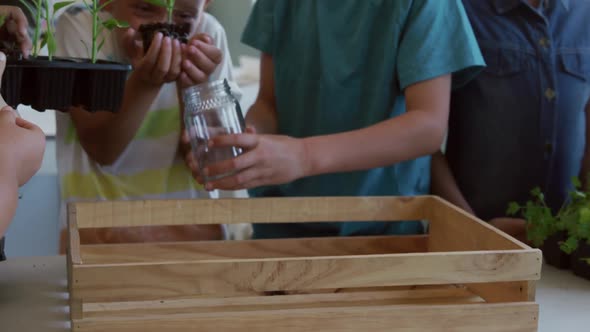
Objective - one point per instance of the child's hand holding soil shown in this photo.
(200, 59)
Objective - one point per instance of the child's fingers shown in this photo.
(201, 60)
(211, 51)
(162, 67)
(184, 81)
(192, 74)
(26, 124)
(242, 162)
(151, 57)
(250, 130)
(184, 138)
(16, 25)
(202, 37)
(245, 141)
(176, 61)
(245, 179)
(7, 115)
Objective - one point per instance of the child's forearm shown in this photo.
(263, 117)
(8, 199)
(405, 137)
(443, 182)
(105, 136)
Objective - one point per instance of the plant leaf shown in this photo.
(106, 3)
(59, 5)
(28, 6)
(86, 47)
(513, 209)
(43, 40)
(112, 23)
(100, 45)
(161, 3)
(570, 245)
(88, 6)
(576, 182)
(2, 20)
(51, 44)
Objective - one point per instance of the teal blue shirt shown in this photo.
(341, 65)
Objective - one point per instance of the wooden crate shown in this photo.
(464, 276)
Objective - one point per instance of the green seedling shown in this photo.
(43, 11)
(573, 217)
(98, 26)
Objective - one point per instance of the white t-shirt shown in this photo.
(150, 167)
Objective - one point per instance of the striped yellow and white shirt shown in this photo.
(150, 167)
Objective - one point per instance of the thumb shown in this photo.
(26, 124)
(8, 115)
(250, 130)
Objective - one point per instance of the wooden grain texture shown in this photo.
(73, 258)
(309, 247)
(122, 282)
(452, 230)
(342, 298)
(515, 317)
(252, 210)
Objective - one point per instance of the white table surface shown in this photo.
(33, 297)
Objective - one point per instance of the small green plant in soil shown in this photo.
(168, 29)
(573, 217)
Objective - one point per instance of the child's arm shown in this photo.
(21, 151)
(262, 116)
(104, 136)
(8, 195)
(279, 159)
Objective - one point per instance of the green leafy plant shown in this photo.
(573, 217)
(43, 11)
(168, 4)
(2, 20)
(98, 26)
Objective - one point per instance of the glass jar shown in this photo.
(210, 110)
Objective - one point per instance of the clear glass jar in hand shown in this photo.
(210, 110)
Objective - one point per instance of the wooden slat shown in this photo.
(73, 236)
(100, 283)
(253, 210)
(73, 258)
(311, 247)
(442, 295)
(452, 229)
(516, 317)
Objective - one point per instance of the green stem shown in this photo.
(49, 32)
(37, 28)
(94, 29)
(170, 5)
